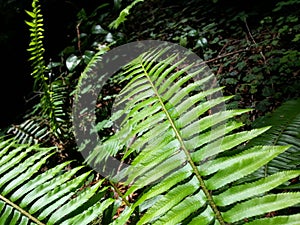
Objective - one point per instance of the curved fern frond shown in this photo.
(31, 131)
(176, 137)
(56, 196)
(123, 14)
(285, 122)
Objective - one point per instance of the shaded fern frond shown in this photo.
(285, 122)
(179, 142)
(29, 194)
(55, 107)
(123, 14)
(31, 131)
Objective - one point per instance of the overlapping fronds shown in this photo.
(52, 92)
(32, 193)
(285, 122)
(179, 145)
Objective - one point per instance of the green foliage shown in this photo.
(31, 131)
(123, 14)
(285, 122)
(36, 47)
(184, 169)
(50, 111)
(31, 195)
(188, 164)
(253, 53)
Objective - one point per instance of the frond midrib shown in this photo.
(184, 148)
(24, 212)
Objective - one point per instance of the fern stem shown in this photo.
(186, 151)
(21, 210)
(120, 193)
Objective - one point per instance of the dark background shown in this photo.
(59, 22)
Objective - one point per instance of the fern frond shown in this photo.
(53, 93)
(180, 146)
(285, 122)
(123, 14)
(31, 131)
(56, 196)
(36, 47)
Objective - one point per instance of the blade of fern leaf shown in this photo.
(6, 163)
(151, 110)
(195, 113)
(130, 88)
(182, 210)
(261, 205)
(174, 96)
(191, 101)
(4, 218)
(40, 179)
(156, 70)
(57, 193)
(278, 220)
(248, 190)
(228, 142)
(128, 69)
(135, 108)
(139, 98)
(90, 214)
(48, 186)
(153, 137)
(7, 177)
(138, 103)
(5, 146)
(163, 185)
(124, 216)
(210, 167)
(148, 123)
(153, 163)
(169, 200)
(56, 205)
(151, 57)
(75, 203)
(15, 218)
(212, 135)
(164, 82)
(163, 142)
(208, 122)
(159, 172)
(26, 217)
(155, 190)
(25, 176)
(242, 168)
(204, 218)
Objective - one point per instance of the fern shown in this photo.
(123, 14)
(31, 131)
(285, 122)
(183, 165)
(56, 196)
(53, 93)
(181, 152)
